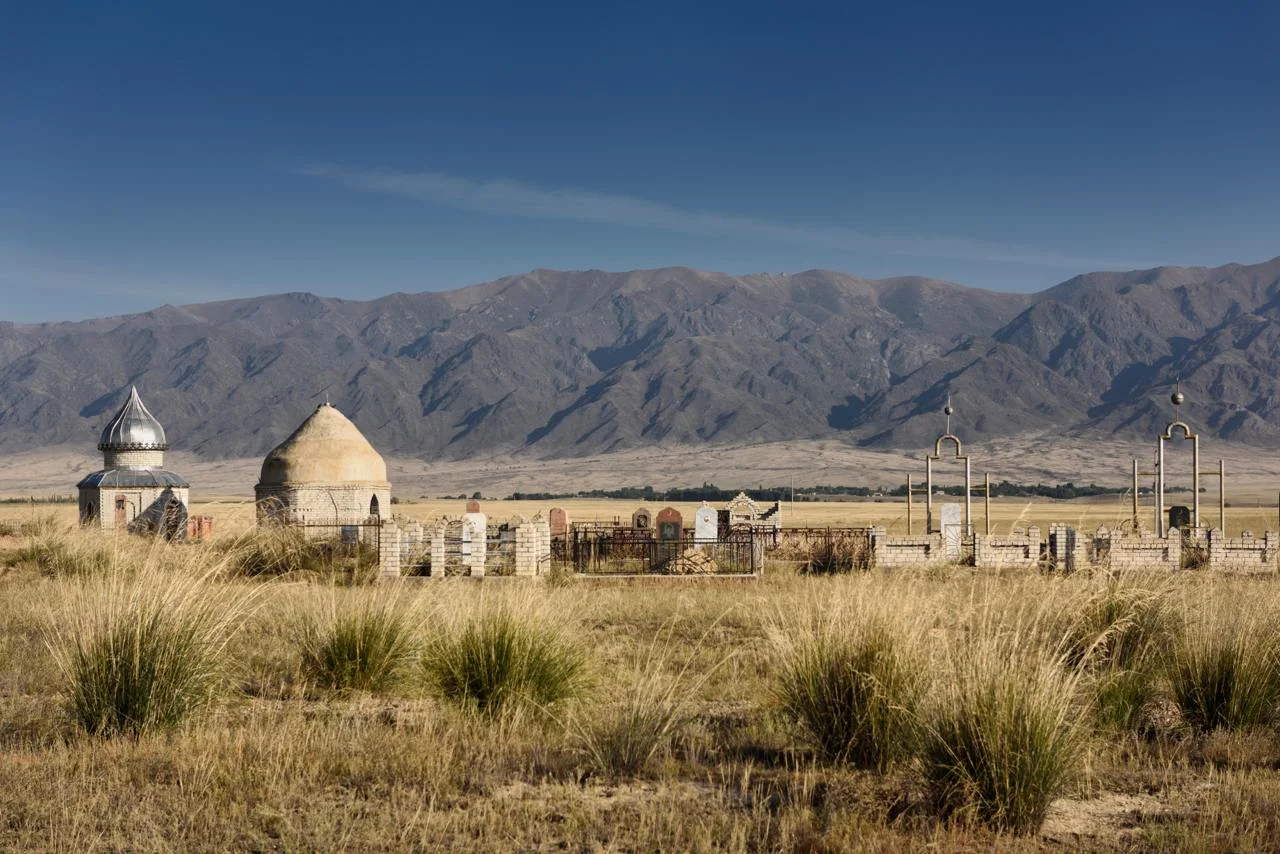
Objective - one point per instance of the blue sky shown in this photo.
(160, 153)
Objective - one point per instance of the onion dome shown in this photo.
(326, 449)
(133, 428)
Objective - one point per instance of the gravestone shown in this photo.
(559, 521)
(1180, 517)
(670, 524)
(475, 541)
(641, 520)
(706, 525)
(951, 531)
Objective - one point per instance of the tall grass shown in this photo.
(623, 740)
(365, 645)
(1224, 669)
(61, 553)
(1003, 737)
(852, 684)
(505, 658)
(1117, 635)
(284, 551)
(144, 650)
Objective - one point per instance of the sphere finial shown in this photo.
(1177, 398)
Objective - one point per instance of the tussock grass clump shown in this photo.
(1224, 668)
(145, 650)
(852, 685)
(361, 646)
(61, 553)
(504, 659)
(1117, 636)
(623, 740)
(1002, 739)
(284, 551)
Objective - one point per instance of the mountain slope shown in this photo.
(590, 362)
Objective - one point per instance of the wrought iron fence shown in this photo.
(632, 551)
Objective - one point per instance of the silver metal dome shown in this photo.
(133, 429)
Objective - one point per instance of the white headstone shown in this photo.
(706, 525)
(951, 530)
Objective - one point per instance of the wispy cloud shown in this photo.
(513, 198)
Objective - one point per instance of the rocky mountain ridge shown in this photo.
(566, 363)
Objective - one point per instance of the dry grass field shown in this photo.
(236, 514)
(150, 700)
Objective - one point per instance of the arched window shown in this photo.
(373, 506)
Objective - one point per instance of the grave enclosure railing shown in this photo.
(633, 551)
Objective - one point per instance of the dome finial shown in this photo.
(133, 428)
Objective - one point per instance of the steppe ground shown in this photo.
(283, 764)
(1253, 476)
(233, 515)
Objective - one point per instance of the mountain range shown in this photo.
(589, 362)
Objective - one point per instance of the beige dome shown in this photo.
(326, 449)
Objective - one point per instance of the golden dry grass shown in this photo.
(280, 766)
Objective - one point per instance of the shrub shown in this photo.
(852, 687)
(1002, 741)
(1224, 671)
(505, 660)
(361, 647)
(144, 650)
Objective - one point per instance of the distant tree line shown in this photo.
(711, 492)
(41, 499)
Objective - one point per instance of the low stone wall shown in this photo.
(1141, 552)
(893, 552)
(1019, 550)
(459, 546)
(1068, 549)
(1245, 553)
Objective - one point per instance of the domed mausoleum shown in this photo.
(133, 490)
(326, 473)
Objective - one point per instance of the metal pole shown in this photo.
(987, 500)
(1135, 496)
(968, 499)
(908, 505)
(928, 495)
(1160, 490)
(1195, 481)
(1222, 497)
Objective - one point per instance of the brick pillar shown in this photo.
(479, 544)
(389, 549)
(543, 557)
(527, 544)
(1271, 546)
(437, 549)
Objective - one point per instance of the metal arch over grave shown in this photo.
(1170, 433)
(936, 456)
